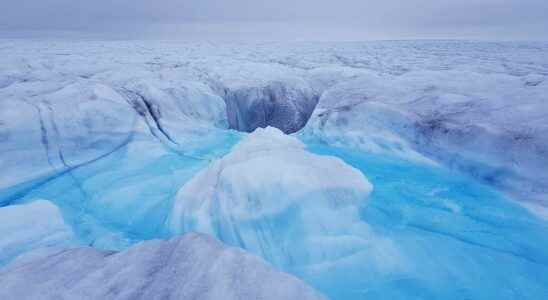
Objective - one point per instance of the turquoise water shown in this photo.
(456, 238)
(460, 238)
(126, 197)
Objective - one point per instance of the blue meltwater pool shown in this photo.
(424, 232)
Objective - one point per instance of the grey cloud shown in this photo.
(420, 18)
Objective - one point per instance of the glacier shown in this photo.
(383, 170)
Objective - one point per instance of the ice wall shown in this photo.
(490, 126)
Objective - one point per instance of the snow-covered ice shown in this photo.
(188, 267)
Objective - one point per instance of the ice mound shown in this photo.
(29, 226)
(272, 197)
(189, 267)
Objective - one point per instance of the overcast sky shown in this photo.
(291, 19)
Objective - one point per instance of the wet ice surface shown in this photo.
(121, 137)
